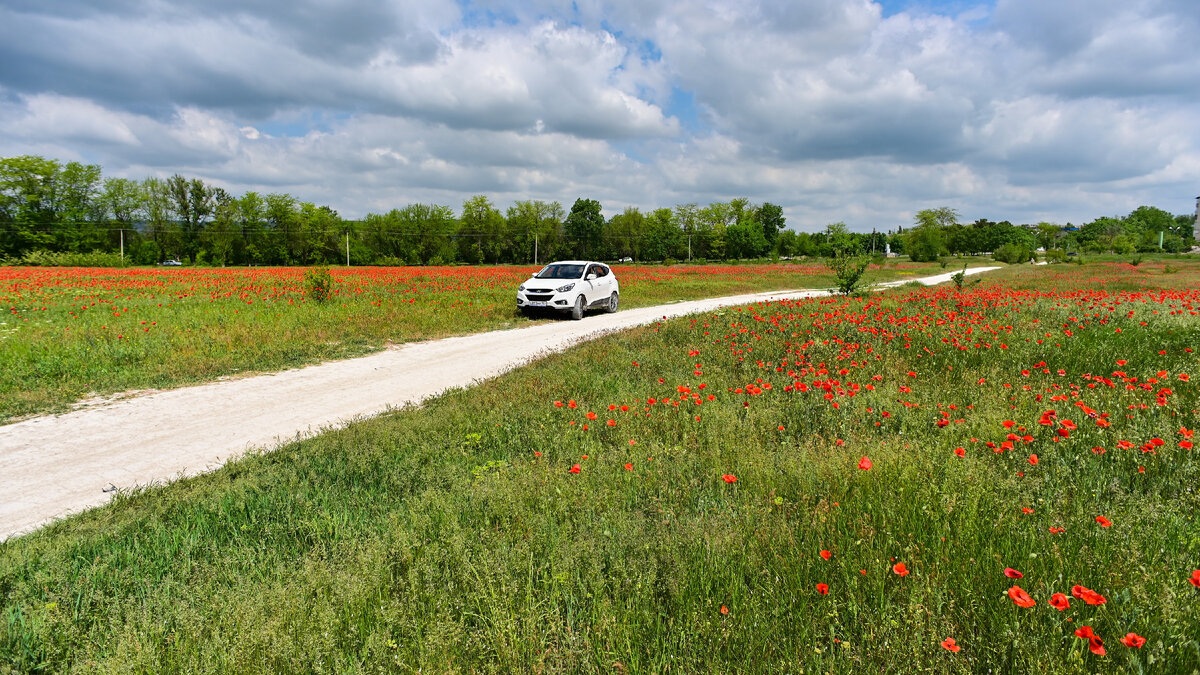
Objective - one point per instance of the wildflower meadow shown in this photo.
(998, 478)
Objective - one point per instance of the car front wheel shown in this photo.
(577, 310)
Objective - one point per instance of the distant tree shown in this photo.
(192, 203)
(927, 241)
(481, 231)
(623, 234)
(839, 241)
(1047, 235)
(770, 217)
(27, 216)
(536, 224)
(584, 227)
(664, 238)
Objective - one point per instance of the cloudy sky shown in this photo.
(852, 110)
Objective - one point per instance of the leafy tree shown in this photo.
(664, 239)
(839, 241)
(536, 222)
(688, 221)
(1048, 234)
(192, 202)
(624, 233)
(481, 231)
(27, 215)
(585, 227)
(770, 217)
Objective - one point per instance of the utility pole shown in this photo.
(122, 231)
(535, 242)
(689, 246)
(347, 248)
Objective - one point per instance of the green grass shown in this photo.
(70, 334)
(439, 538)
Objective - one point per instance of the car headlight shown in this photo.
(564, 289)
(521, 287)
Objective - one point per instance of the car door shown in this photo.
(602, 284)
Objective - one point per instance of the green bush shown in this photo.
(1056, 255)
(1013, 254)
(318, 283)
(849, 271)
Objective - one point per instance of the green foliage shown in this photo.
(40, 258)
(1056, 255)
(958, 278)
(848, 271)
(584, 227)
(1013, 254)
(318, 284)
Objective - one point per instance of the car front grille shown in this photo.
(538, 298)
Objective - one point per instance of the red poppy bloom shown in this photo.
(575, 469)
(825, 554)
(1060, 602)
(1057, 530)
(1104, 522)
(900, 569)
(1195, 580)
(591, 415)
(960, 452)
(1020, 597)
(1026, 510)
(950, 645)
(629, 467)
(729, 478)
(1095, 644)
(1033, 460)
(1012, 574)
(1133, 640)
(865, 464)
(1088, 595)
(823, 589)
(724, 609)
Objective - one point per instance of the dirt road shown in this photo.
(61, 464)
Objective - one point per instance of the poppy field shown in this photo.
(72, 333)
(1001, 478)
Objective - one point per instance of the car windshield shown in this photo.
(561, 272)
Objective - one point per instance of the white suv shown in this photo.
(570, 286)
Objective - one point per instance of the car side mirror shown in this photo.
(591, 276)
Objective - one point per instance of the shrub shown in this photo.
(1056, 255)
(849, 272)
(1012, 254)
(318, 283)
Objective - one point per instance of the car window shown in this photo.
(561, 272)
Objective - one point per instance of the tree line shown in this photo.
(47, 206)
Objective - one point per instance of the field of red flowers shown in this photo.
(997, 479)
(69, 333)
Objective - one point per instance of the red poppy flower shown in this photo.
(1020, 597)
(1026, 510)
(1133, 640)
(865, 464)
(729, 478)
(724, 609)
(591, 415)
(949, 645)
(1012, 574)
(1033, 460)
(900, 569)
(1195, 580)
(1095, 644)
(960, 452)
(1104, 522)
(823, 589)
(1060, 602)
(629, 467)
(575, 469)
(1057, 530)
(825, 554)
(1088, 595)
(611, 423)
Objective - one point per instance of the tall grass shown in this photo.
(453, 537)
